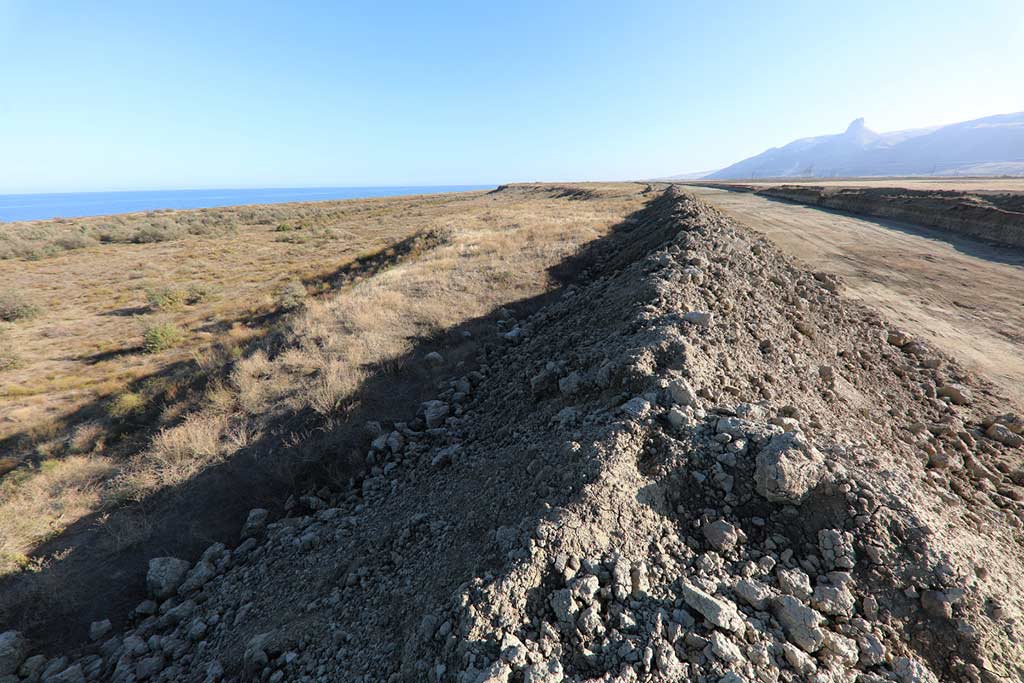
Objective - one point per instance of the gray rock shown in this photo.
(681, 392)
(872, 651)
(676, 417)
(146, 608)
(956, 393)
(395, 441)
(435, 413)
(637, 407)
(721, 535)
(801, 662)
(795, 582)
(214, 672)
(898, 338)
(148, 667)
(72, 674)
(570, 384)
(545, 672)
(255, 656)
(198, 577)
(514, 651)
(754, 593)
(1001, 433)
(13, 650)
(498, 672)
(836, 548)
(787, 468)
(165, 576)
(32, 668)
(584, 588)
(833, 600)
(725, 649)
(255, 523)
(434, 359)
(702, 318)
(98, 629)
(913, 671)
(564, 606)
(721, 613)
(937, 604)
(801, 623)
(54, 667)
(842, 648)
(513, 335)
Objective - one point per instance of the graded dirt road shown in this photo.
(964, 296)
(961, 184)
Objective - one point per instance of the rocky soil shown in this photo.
(701, 464)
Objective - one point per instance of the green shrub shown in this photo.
(198, 292)
(170, 297)
(14, 306)
(291, 295)
(161, 336)
(77, 241)
(126, 404)
(165, 298)
(160, 230)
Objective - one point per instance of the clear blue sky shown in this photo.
(130, 95)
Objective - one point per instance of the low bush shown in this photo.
(160, 230)
(291, 295)
(125, 404)
(14, 306)
(164, 298)
(161, 336)
(170, 297)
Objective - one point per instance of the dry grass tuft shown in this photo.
(175, 455)
(39, 504)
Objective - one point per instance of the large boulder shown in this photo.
(165, 576)
(787, 468)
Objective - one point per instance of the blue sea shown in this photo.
(28, 207)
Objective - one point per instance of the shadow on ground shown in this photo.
(98, 565)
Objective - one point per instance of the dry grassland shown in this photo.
(96, 412)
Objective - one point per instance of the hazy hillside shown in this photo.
(990, 146)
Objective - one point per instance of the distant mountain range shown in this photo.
(993, 145)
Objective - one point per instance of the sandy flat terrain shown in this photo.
(964, 296)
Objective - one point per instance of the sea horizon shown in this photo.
(51, 205)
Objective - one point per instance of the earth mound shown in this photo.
(701, 463)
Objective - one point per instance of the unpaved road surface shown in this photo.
(953, 184)
(964, 296)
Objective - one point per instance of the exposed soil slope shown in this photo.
(700, 464)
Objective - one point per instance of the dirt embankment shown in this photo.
(699, 463)
(992, 216)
